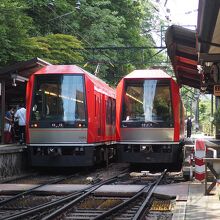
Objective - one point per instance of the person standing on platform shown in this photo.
(8, 125)
(189, 127)
(21, 116)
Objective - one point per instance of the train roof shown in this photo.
(148, 74)
(99, 84)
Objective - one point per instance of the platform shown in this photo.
(202, 207)
(191, 203)
(12, 148)
(13, 160)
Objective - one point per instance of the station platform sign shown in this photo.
(216, 90)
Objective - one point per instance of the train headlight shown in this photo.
(34, 125)
(60, 125)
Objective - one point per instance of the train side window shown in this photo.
(95, 106)
(113, 111)
(108, 112)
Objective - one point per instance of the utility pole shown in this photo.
(197, 109)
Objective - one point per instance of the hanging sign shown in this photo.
(216, 90)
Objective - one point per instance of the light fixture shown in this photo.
(21, 78)
(15, 77)
(13, 82)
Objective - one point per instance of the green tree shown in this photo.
(52, 17)
(56, 48)
(205, 115)
(14, 31)
(99, 23)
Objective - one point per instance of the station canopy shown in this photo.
(22, 70)
(189, 50)
(181, 47)
(13, 80)
(18, 74)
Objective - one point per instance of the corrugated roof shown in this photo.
(181, 47)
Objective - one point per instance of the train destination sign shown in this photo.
(217, 90)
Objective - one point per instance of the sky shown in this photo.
(179, 12)
(182, 12)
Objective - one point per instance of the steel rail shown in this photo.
(125, 203)
(141, 210)
(120, 206)
(32, 189)
(42, 207)
(66, 206)
(47, 205)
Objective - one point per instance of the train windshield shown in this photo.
(147, 103)
(59, 98)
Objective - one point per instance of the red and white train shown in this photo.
(149, 118)
(70, 117)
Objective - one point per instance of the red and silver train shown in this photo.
(70, 117)
(149, 118)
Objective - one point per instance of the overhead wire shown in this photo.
(76, 33)
(110, 61)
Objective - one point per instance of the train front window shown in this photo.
(58, 98)
(147, 103)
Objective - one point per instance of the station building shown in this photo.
(13, 81)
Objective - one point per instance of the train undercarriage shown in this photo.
(70, 156)
(166, 155)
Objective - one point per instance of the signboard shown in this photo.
(216, 90)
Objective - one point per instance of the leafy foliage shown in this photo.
(205, 119)
(14, 28)
(57, 48)
(58, 32)
(216, 120)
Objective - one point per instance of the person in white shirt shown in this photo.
(21, 116)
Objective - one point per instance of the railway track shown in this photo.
(88, 206)
(88, 203)
(64, 202)
(24, 204)
(54, 180)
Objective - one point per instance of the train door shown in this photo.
(103, 116)
(98, 115)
